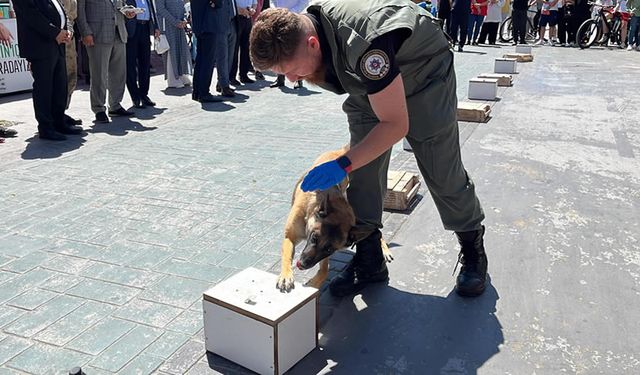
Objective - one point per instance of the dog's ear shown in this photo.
(323, 207)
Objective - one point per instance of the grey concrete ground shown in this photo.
(108, 240)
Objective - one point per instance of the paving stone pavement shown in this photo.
(107, 241)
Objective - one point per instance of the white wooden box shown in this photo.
(250, 322)
(522, 48)
(505, 65)
(483, 88)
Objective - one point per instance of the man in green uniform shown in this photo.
(394, 61)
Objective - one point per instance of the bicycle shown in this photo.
(506, 29)
(591, 30)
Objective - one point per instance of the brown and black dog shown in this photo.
(326, 220)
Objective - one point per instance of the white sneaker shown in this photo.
(630, 47)
(178, 85)
(540, 42)
(185, 80)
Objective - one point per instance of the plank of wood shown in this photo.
(504, 80)
(473, 111)
(520, 57)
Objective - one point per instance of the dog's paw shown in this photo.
(285, 283)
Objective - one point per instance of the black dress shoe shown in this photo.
(234, 82)
(138, 104)
(208, 98)
(246, 80)
(51, 135)
(148, 102)
(259, 76)
(228, 92)
(121, 112)
(71, 121)
(102, 117)
(69, 129)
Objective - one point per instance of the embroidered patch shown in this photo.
(375, 64)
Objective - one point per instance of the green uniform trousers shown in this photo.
(437, 152)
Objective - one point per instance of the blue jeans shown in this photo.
(633, 30)
(473, 30)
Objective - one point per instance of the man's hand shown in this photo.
(181, 24)
(129, 14)
(323, 177)
(88, 40)
(63, 37)
(5, 35)
(156, 33)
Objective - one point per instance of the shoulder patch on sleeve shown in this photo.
(375, 64)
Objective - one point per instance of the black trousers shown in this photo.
(459, 22)
(519, 25)
(567, 27)
(50, 90)
(205, 61)
(241, 52)
(139, 62)
(489, 29)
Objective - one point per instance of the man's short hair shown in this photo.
(275, 37)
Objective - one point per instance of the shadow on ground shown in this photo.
(389, 331)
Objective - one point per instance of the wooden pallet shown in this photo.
(473, 111)
(504, 80)
(402, 187)
(520, 57)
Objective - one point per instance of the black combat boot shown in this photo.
(366, 267)
(472, 279)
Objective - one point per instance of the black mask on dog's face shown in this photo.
(325, 238)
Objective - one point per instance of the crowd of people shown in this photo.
(475, 21)
(195, 37)
(202, 35)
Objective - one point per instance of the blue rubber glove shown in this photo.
(323, 177)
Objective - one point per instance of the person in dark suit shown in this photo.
(139, 52)
(42, 34)
(204, 26)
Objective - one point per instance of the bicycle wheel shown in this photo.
(587, 34)
(506, 30)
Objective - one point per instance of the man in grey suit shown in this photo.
(103, 31)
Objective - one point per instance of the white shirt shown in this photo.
(63, 18)
(245, 3)
(494, 12)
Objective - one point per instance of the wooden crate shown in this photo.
(250, 322)
(504, 80)
(473, 112)
(402, 187)
(520, 57)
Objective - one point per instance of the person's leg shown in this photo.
(515, 32)
(476, 30)
(42, 71)
(144, 62)
(59, 93)
(245, 59)
(98, 69)
(72, 69)
(221, 59)
(232, 47)
(484, 31)
(471, 23)
(493, 32)
(117, 75)
(464, 21)
(455, 25)
(623, 33)
(204, 64)
(367, 188)
(562, 27)
(633, 27)
(131, 56)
